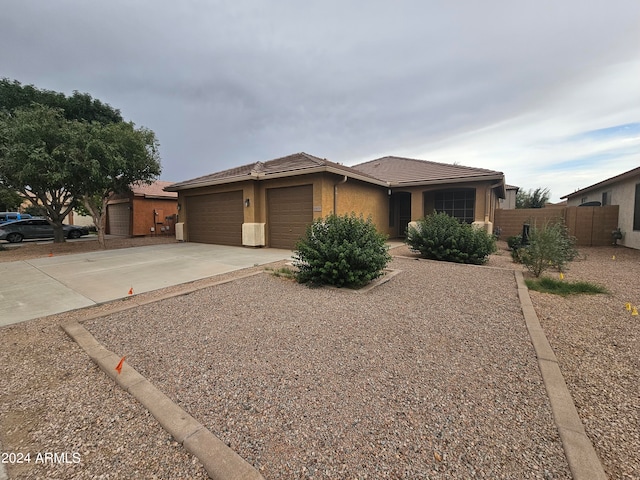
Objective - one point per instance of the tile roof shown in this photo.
(404, 171)
(386, 171)
(156, 189)
(295, 164)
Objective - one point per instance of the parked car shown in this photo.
(13, 216)
(15, 232)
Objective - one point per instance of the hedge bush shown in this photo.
(345, 251)
(442, 237)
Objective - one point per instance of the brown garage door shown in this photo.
(290, 210)
(216, 218)
(119, 215)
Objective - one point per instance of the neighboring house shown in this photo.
(271, 203)
(509, 201)
(145, 210)
(622, 190)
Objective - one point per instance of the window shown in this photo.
(606, 198)
(636, 209)
(459, 204)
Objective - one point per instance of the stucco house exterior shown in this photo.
(271, 203)
(509, 201)
(144, 210)
(622, 190)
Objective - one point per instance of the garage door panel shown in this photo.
(119, 215)
(290, 210)
(216, 218)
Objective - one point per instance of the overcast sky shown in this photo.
(547, 92)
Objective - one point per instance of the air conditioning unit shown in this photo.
(180, 231)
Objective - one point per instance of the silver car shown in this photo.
(15, 232)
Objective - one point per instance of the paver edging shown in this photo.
(583, 460)
(220, 461)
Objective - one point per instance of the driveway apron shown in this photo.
(45, 286)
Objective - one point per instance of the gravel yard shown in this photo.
(425, 376)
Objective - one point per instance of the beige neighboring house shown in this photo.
(622, 190)
(509, 201)
(271, 203)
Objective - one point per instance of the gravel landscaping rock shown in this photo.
(430, 375)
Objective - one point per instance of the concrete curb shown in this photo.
(220, 462)
(581, 456)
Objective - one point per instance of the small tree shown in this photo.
(549, 246)
(342, 251)
(117, 156)
(537, 198)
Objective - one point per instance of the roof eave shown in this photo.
(441, 181)
(283, 174)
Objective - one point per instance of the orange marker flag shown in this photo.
(119, 366)
(131, 291)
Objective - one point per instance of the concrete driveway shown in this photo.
(45, 286)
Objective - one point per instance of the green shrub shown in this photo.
(549, 246)
(514, 242)
(442, 237)
(341, 250)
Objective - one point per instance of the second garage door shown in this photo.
(119, 215)
(216, 218)
(290, 210)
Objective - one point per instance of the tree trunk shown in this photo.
(99, 215)
(101, 226)
(58, 233)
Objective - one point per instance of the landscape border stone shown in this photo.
(583, 460)
(220, 461)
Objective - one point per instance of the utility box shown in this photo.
(180, 231)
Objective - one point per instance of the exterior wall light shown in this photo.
(247, 203)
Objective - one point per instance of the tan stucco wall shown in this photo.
(366, 199)
(622, 194)
(352, 196)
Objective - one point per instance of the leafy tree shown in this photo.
(79, 106)
(39, 156)
(533, 198)
(60, 152)
(9, 199)
(116, 156)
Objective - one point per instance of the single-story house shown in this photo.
(622, 190)
(144, 210)
(271, 203)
